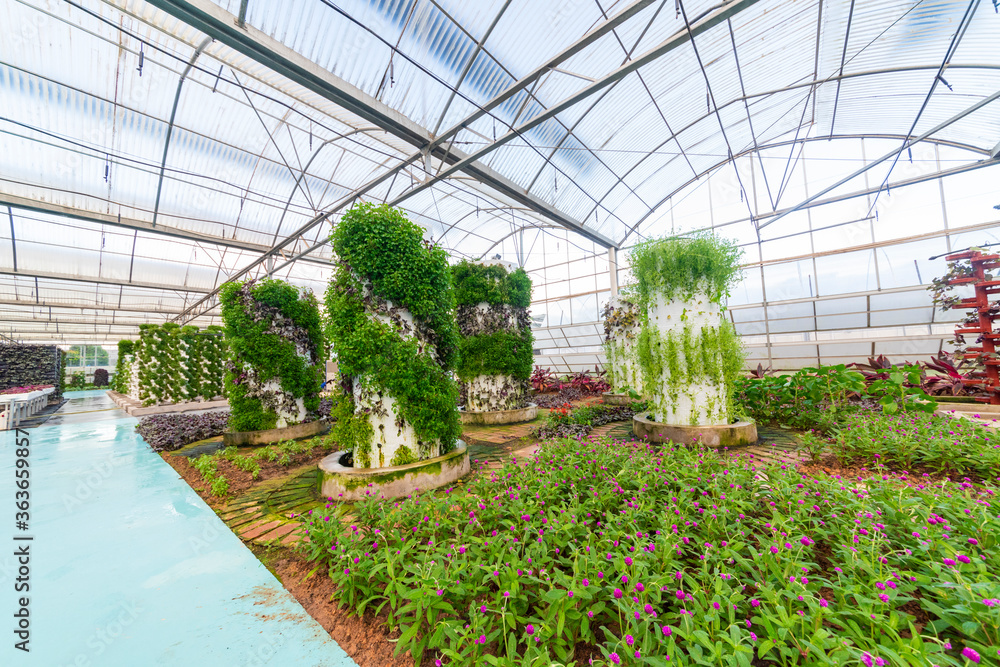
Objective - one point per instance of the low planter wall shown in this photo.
(525, 414)
(342, 483)
(971, 408)
(135, 408)
(618, 399)
(272, 435)
(722, 435)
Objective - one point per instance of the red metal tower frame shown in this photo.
(980, 304)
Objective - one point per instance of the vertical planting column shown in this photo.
(688, 352)
(491, 302)
(389, 309)
(621, 336)
(276, 354)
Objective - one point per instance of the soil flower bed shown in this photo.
(634, 555)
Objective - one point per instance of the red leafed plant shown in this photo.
(590, 384)
(544, 380)
(952, 376)
(877, 368)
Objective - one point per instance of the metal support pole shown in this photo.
(613, 269)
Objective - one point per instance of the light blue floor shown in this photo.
(129, 567)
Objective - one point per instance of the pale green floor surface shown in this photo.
(129, 567)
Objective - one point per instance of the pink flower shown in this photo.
(970, 654)
(618, 594)
(530, 629)
(667, 631)
(755, 602)
(629, 639)
(613, 657)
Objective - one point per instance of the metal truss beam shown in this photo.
(888, 156)
(95, 307)
(38, 206)
(210, 19)
(676, 40)
(46, 275)
(829, 200)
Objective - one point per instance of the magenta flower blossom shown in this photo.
(628, 560)
(629, 639)
(586, 582)
(962, 558)
(755, 602)
(639, 587)
(618, 594)
(530, 629)
(680, 595)
(823, 602)
(970, 654)
(613, 657)
(867, 659)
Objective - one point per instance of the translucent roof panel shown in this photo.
(148, 148)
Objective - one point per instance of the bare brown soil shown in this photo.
(364, 638)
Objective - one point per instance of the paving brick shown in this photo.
(256, 529)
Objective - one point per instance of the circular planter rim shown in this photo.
(264, 437)
(460, 449)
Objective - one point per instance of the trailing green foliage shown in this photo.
(171, 363)
(679, 358)
(477, 283)
(498, 353)
(497, 341)
(387, 269)
(678, 268)
(267, 322)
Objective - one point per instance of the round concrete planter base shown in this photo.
(342, 483)
(722, 435)
(525, 414)
(618, 399)
(272, 435)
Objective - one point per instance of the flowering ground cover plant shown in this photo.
(942, 443)
(25, 389)
(636, 555)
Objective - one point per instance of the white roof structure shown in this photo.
(150, 150)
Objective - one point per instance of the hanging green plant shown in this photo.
(496, 349)
(276, 351)
(390, 322)
(689, 354)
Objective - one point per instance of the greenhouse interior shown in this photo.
(505, 332)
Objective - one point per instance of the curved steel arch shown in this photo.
(764, 95)
(788, 142)
(170, 126)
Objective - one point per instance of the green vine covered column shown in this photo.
(277, 354)
(123, 367)
(621, 336)
(389, 309)
(495, 351)
(689, 353)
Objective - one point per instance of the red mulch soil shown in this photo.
(239, 480)
(364, 638)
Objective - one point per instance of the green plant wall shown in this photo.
(491, 309)
(171, 364)
(276, 354)
(390, 320)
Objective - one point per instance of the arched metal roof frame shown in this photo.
(811, 84)
(816, 201)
